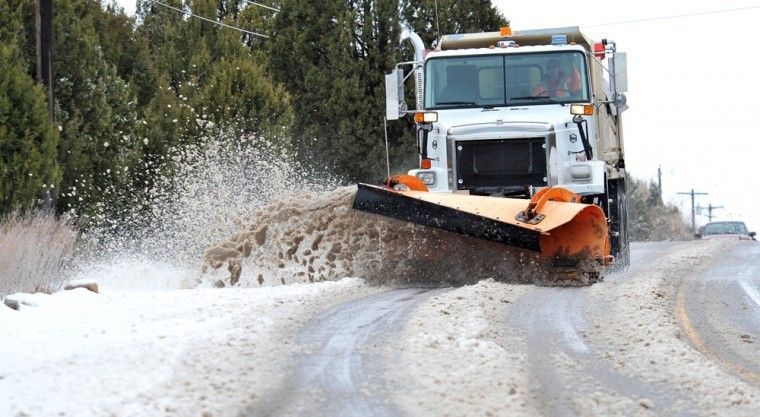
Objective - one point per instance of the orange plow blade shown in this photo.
(571, 236)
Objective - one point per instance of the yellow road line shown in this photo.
(696, 340)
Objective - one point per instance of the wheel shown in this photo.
(617, 213)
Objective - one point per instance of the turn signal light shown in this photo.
(426, 117)
(426, 164)
(582, 109)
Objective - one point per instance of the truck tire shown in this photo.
(617, 213)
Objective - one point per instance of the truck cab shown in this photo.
(507, 114)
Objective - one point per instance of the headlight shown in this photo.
(580, 173)
(427, 177)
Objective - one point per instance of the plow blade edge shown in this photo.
(564, 232)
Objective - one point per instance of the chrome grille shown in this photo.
(501, 163)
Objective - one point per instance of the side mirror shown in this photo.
(698, 235)
(621, 72)
(395, 106)
(752, 234)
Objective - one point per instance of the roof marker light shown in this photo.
(559, 39)
(599, 51)
(505, 31)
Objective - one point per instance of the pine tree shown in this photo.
(167, 127)
(240, 98)
(332, 57)
(18, 17)
(97, 114)
(454, 16)
(28, 140)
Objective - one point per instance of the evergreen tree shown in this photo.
(18, 28)
(332, 57)
(167, 127)
(160, 29)
(12, 29)
(454, 16)
(28, 140)
(240, 98)
(97, 114)
(116, 37)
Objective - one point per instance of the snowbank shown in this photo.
(153, 353)
(319, 237)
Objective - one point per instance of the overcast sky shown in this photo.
(694, 86)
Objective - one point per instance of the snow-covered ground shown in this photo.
(137, 351)
(629, 346)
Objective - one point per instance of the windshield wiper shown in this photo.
(457, 103)
(544, 98)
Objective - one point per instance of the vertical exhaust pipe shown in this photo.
(419, 56)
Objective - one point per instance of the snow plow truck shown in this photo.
(520, 142)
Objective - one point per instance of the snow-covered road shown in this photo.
(676, 334)
(349, 349)
(719, 310)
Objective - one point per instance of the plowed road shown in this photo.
(677, 334)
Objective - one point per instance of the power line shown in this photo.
(675, 16)
(261, 5)
(209, 20)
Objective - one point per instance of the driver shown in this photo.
(556, 84)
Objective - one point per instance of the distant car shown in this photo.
(723, 230)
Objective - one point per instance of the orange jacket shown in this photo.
(560, 87)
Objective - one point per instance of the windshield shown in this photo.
(725, 228)
(506, 80)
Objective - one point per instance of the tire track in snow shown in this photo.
(563, 365)
(720, 314)
(751, 292)
(343, 373)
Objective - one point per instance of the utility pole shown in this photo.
(659, 182)
(710, 209)
(44, 18)
(45, 50)
(693, 211)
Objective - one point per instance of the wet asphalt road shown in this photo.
(347, 349)
(719, 309)
(564, 364)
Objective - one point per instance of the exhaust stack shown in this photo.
(419, 57)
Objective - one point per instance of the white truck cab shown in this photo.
(509, 113)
